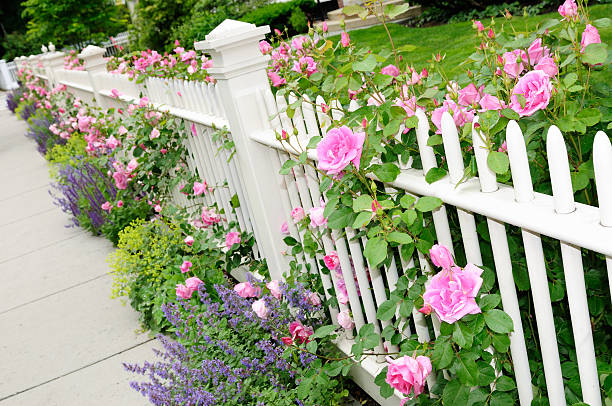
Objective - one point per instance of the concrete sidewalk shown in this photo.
(62, 339)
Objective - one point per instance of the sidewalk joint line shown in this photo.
(42, 247)
(75, 370)
(24, 192)
(27, 217)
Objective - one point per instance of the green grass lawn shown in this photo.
(456, 40)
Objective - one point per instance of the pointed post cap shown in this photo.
(234, 47)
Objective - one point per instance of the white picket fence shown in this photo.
(242, 100)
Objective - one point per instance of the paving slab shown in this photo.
(25, 205)
(103, 384)
(63, 332)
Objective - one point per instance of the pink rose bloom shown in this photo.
(276, 79)
(265, 47)
(488, 102)
(122, 130)
(314, 299)
(408, 374)
(193, 130)
(536, 52)
(503, 147)
(512, 66)
(299, 332)
(590, 35)
(331, 260)
(342, 297)
(426, 310)
(199, 188)
(461, 115)
(317, 219)
(568, 9)
(186, 266)
(390, 70)
(451, 294)
(287, 341)
(143, 101)
(209, 217)
(284, 228)
(479, 26)
(324, 26)
(469, 95)
(121, 179)
(275, 288)
(536, 88)
(107, 206)
(338, 148)
(157, 208)
(133, 164)
(231, 239)
(409, 105)
(154, 134)
(307, 63)
(345, 321)
(548, 66)
(115, 93)
(345, 39)
(112, 142)
(298, 214)
(441, 257)
(183, 291)
(193, 283)
(260, 309)
(189, 240)
(245, 289)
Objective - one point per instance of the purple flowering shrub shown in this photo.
(12, 99)
(225, 353)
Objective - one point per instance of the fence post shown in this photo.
(51, 62)
(93, 59)
(240, 71)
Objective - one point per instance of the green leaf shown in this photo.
(498, 321)
(304, 389)
(455, 393)
(570, 79)
(489, 302)
(287, 165)
(602, 23)
(504, 384)
(352, 9)
(407, 201)
(386, 172)
(367, 65)
(435, 139)
(323, 331)
(498, 162)
(362, 220)
(510, 114)
(362, 203)
(462, 335)
(386, 310)
(340, 218)
(312, 143)
(466, 369)
(406, 307)
(375, 250)
(398, 237)
(435, 174)
(428, 203)
(594, 54)
(580, 180)
(501, 399)
(501, 342)
(589, 117)
(443, 354)
(393, 10)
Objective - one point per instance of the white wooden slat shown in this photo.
(487, 178)
(197, 164)
(602, 163)
(536, 265)
(573, 269)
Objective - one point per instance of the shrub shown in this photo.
(292, 16)
(38, 129)
(12, 99)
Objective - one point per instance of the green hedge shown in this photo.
(292, 15)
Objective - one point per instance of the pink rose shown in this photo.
(157, 208)
(107, 206)
(345, 39)
(536, 88)
(245, 289)
(548, 66)
(120, 203)
(193, 283)
(115, 93)
(488, 102)
(287, 341)
(408, 374)
(331, 260)
(503, 147)
(479, 26)
(260, 309)
(189, 240)
(426, 309)
(112, 142)
(143, 101)
(199, 188)
(536, 52)
(441, 257)
(276, 79)
(183, 291)
(469, 95)
(345, 321)
(324, 26)
(265, 47)
(284, 228)
(275, 288)
(314, 299)
(154, 133)
(231, 239)
(568, 9)
(390, 70)
(121, 180)
(317, 219)
(590, 35)
(514, 62)
(209, 217)
(298, 214)
(338, 148)
(186, 266)
(451, 294)
(299, 332)
(133, 164)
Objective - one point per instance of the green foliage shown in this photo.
(16, 44)
(71, 21)
(292, 16)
